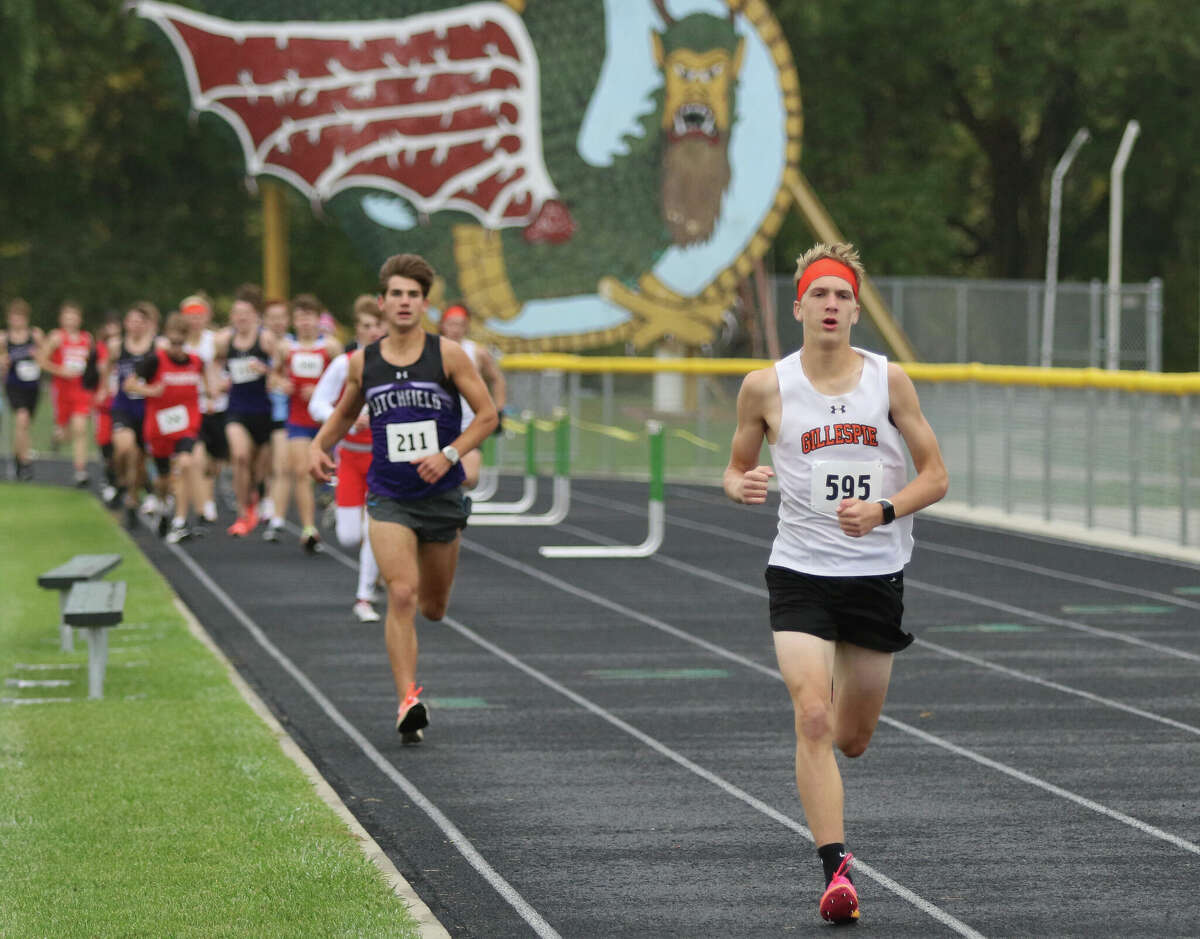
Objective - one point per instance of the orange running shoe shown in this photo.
(412, 716)
(251, 517)
(240, 528)
(839, 902)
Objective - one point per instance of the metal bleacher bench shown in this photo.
(95, 605)
(81, 568)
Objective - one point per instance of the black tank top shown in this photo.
(414, 410)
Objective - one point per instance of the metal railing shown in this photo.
(1116, 452)
(999, 322)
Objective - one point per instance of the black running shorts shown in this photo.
(863, 611)
(258, 426)
(439, 517)
(212, 435)
(22, 397)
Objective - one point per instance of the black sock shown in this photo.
(832, 856)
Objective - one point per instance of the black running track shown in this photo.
(611, 746)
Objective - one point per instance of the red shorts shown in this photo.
(70, 398)
(103, 426)
(352, 477)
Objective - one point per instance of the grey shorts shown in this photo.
(439, 517)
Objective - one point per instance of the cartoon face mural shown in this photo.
(580, 173)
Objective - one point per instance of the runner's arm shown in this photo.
(932, 480)
(471, 386)
(745, 480)
(326, 391)
(320, 463)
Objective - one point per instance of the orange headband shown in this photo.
(822, 267)
(194, 308)
(453, 311)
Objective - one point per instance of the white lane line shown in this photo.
(651, 621)
(932, 588)
(761, 592)
(1173, 599)
(721, 783)
(880, 878)
(456, 837)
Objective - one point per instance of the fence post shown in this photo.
(1154, 325)
(1135, 462)
(972, 410)
(1094, 340)
(1089, 464)
(1009, 400)
(960, 318)
(1185, 464)
(1031, 329)
(1047, 461)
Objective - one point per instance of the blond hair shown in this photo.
(841, 251)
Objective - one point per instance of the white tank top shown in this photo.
(206, 349)
(832, 447)
(471, 348)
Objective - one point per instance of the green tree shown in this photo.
(932, 130)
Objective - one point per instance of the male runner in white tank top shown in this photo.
(454, 323)
(838, 420)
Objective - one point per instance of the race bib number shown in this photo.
(408, 442)
(835, 480)
(244, 369)
(74, 366)
(172, 420)
(28, 370)
(308, 364)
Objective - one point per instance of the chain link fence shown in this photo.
(999, 322)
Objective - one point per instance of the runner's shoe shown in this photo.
(240, 529)
(251, 517)
(412, 716)
(365, 612)
(271, 532)
(176, 535)
(839, 902)
(310, 539)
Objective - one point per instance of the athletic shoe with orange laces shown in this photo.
(839, 902)
(412, 716)
(241, 528)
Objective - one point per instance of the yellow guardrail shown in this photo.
(1177, 383)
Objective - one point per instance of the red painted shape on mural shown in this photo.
(447, 111)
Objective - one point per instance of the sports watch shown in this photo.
(450, 454)
(889, 511)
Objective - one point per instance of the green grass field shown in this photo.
(168, 808)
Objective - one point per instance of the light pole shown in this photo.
(1116, 205)
(1050, 297)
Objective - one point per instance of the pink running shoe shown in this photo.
(839, 902)
(240, 528)
(412, 716)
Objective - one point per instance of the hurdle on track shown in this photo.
(529, 490)
(562, 478)
(489, 475)
(656, 515)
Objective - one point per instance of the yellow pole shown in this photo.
(275, 239)
(823, 227)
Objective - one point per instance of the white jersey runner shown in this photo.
(829, 448)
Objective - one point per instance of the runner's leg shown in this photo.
(806, 664)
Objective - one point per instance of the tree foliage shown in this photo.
(931, 131)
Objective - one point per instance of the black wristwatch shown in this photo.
(889, 512)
